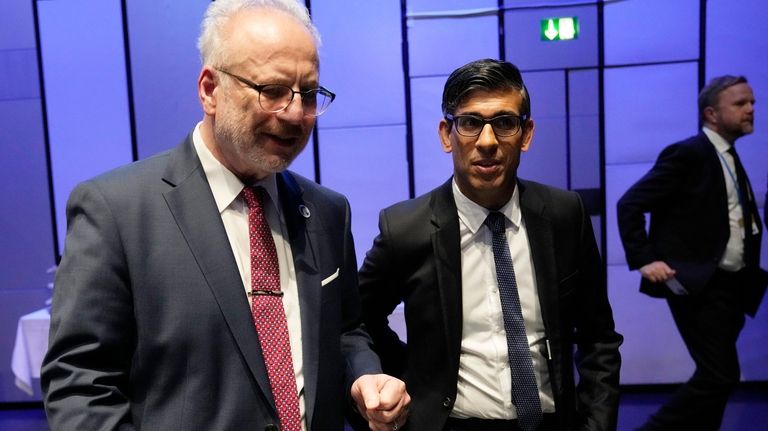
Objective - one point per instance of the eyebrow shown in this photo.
(495, 114)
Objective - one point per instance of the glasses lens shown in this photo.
(317, 101)
(275, 97)
(469, 125)
(505, 125)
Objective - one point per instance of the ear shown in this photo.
(206, 89)
(710, 115)
(527, 134)
(444, 130)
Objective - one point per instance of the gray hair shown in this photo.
(220, 11)
(710, 95)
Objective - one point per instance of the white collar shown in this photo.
(225, 185)
(721, 145)
(473, 215)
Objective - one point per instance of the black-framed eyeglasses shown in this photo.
(472, 125)
(277, 97)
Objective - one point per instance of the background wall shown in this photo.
(118, 84)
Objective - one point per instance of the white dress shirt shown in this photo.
(485, 378)
(733, 258)
(226, 189)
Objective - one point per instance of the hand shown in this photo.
(657, 271)
(381, 400)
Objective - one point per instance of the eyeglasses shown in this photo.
(277, 97)
(502, 125)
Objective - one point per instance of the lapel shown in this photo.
(541, 242)
(716, 185)
(194, 209)
(717, 182)
(447, 251)
(304, 251)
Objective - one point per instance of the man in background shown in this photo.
(500, 279)
(702, 249)
(207, 288)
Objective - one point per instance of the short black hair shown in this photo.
(710, 94)
(488, 75)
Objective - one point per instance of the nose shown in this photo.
(486, 140)
(294, 112)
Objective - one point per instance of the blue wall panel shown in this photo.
(438, 46)
(584, 118)
(304, 164)
(651, 31)
(432, 166)
(86, 92)
(17, 25)
(546, 160)
(164, 66)
(360, 62)
(618, 178)
(648, 108)
(26, 232)
(367, 164)
(424, 6)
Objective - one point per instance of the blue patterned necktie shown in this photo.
(525, 393)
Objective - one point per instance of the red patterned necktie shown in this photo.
(268, 312)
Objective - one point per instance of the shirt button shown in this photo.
(447, 402)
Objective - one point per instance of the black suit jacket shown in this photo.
(685, 194)
(416, 259)
(151, 328)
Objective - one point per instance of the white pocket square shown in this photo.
(330, 278)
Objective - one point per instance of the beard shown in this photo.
(741, 129)
(231, 130)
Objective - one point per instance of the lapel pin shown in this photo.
(304, 211)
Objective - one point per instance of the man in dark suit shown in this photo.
(702, 249)
(499, 277)
(207, 288)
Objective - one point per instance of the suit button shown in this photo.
(271, 427)
(447, 402)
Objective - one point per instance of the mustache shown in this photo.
(286, 131)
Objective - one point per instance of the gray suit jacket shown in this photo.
(151, 328)
(417, 259)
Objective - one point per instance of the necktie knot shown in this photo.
(254, 197)
(495, 222)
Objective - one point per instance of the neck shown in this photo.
(725, 135)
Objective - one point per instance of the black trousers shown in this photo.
(709, 323)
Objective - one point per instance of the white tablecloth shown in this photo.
(29, 349)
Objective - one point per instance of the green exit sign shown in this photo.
(565, 28)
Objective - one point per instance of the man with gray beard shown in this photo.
(208, 288)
